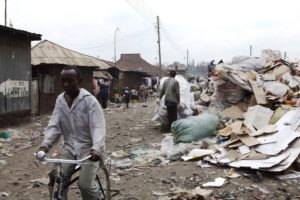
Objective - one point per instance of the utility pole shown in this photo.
(159, 51)
(285, 56)
(5, 13)
(115, 53)
(251, 48)
(187, 62)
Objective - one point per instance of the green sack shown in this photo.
(194, 128)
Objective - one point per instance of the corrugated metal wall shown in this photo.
(48, 97)
(15, 73)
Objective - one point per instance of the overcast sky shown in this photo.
(211, 29)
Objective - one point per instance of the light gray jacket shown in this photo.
(82, 125)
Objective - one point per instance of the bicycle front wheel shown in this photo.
(103, 181)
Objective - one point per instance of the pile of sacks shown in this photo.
(186, 105)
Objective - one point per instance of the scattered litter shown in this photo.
(115, 178)
(155, 193)
(123, 164)
(140, 150)
(150, 156)
(4, 194)
(5, 134)
(233, 175)
(217, 183)
(119, 154)
(292, 175)
(135, 140)
(3, 162)
(201, 164)
(34, 136)
(180, 194)
(263, 190)
(168, 148)
(6, 152)
(43, 181)
(197, 153)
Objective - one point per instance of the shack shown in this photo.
(131, 70)
(48, 59)
(15, 71)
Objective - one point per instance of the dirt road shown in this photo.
(129, 130)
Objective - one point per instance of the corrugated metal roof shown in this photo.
(31, 36)
(47, 52)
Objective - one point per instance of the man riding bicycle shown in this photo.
(79, 118)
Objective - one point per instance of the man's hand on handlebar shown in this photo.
(95, 155)
(44, 149)
(41, 153)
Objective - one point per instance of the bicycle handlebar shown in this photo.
(61, 161)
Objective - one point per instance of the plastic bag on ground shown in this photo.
(169, 149)
(194, 128)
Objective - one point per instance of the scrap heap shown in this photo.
(257, 98)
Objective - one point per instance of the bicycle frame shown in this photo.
(55, 194)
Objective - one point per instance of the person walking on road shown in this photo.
(103, 93)
(127, 96)
(78, 117)
(172, 97)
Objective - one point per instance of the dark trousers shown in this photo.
(127, 102)
(104, 99)
(172, 112)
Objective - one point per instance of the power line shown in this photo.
(148, 7)
(144, 7)
(171, 41)
(141, 13)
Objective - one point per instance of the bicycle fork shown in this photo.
(54, 186)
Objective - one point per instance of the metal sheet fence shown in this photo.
(15, 74)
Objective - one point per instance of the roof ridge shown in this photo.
(66, 49)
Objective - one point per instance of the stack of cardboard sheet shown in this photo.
(256, 144)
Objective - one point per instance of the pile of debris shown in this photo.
(257, 99)
(256, 144)
(261, 114)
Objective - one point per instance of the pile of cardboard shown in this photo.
(256, 144)
(262, 118)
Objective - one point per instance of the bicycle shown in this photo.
(55, 183)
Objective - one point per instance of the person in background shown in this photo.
(77, 117)
(134, 94)
(170, 89)
(103, 93)
(127, 96)
(143, 93)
